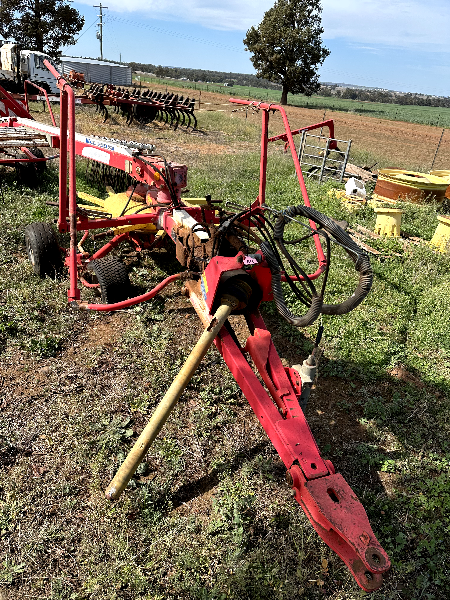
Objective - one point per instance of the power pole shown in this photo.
(100, 28)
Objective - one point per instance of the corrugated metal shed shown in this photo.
(97, 71)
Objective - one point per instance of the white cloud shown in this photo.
(233, 15)
(395, 23)
(411, 24)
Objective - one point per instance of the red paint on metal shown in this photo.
(137, 299)
(329, 123)
(328, 501)
(109, 246)
(26, 84)
(213, 272)
(341, 521)
(12, 105)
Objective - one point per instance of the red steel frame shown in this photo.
(329, 503)
(13, 106)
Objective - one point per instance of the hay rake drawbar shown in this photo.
(232, 261)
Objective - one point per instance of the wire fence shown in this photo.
(424, 115)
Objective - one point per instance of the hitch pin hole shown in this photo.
(332, 495)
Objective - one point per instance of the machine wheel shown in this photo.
(26, 172)
(40, 166)
(113, 278)
(43, 249)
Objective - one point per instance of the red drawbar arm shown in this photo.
(328, 501)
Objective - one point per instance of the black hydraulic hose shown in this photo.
(316, 300)
(359, 258)
(305, 295)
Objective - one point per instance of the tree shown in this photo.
(287, 47)
(43, 25)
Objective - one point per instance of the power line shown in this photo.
(174, 34)
(90, 26)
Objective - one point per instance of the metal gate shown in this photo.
(322, 162)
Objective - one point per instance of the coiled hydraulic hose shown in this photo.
(316, 307)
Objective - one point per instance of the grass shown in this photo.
(425, 115)
(209, 516)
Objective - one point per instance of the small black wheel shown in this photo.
(113, 278)
(43, 249)
(26, 172)
(39, 166)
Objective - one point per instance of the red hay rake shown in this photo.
(233, 261)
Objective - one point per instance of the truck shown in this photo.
(16, 65)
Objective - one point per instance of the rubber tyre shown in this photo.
(26, 172)
(113, 278)
(43, 249)
(40, 166)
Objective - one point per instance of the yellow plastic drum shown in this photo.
(388, 221)
(441, 237)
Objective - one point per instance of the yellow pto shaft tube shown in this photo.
(165, 407)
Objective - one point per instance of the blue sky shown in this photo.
(396, 44)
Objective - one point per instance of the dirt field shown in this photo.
(395, 143)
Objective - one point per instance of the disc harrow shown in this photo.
(143, 106)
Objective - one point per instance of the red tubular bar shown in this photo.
(30, 158)
(329, 124)
(132, 301)
(62, 218)
(137, 219)
(263, 163)
(28, 82)
(68, 107)
(74, 292)
(265, 118)
(109, 246)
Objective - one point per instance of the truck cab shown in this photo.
(32, 67)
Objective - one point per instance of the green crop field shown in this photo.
(209, 515)
(426, 115)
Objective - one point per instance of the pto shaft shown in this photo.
(169, 401)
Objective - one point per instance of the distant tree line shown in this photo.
(385, 96)
(348, 93)
(205, 76)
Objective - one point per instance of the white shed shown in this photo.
(97, 71)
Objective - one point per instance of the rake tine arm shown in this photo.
(195, 119)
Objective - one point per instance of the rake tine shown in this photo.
(173, 116)
(130, 116)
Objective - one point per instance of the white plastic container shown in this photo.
(355, 187)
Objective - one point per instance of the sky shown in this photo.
(401, 45)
